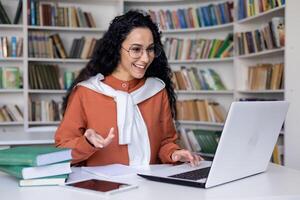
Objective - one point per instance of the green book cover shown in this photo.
(34, 155)
(26, 172)
(214, 41)
(12, 170)
(68, 79)
(11, 77)
(226, 43)
(207, 140)
(218, 83)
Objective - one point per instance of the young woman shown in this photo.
(120, 108)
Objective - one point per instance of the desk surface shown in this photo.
(277, 183)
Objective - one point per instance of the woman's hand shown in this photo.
(186, 156)
(97, 140)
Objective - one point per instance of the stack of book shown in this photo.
(197, 79)
(36, 165)
(200, 110)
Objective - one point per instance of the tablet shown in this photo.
(100, 186)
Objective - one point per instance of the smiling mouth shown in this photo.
(139, 66)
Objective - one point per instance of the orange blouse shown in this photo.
(89, 109)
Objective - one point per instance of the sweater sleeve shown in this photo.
(169, 136)
(70, 132)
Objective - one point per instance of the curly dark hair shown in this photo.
(106, 55)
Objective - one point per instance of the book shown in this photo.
(193, 141)
(276, 156)
(4, 19)
(28, 172)
(13, 47)
(218, 83)
(7, 114)
(34, 155)
(278, 27)
(18, 13)
(57, 42)
(13, 112)
(207, 139)
(11, 77)
(46, 181)
(184, 139)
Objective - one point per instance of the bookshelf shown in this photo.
(223, 66)
(245, 62)
(22, 96)
(232, 70)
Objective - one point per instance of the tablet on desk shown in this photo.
(100, 186)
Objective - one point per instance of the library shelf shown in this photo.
(47, 91)
(11, 123)
(65, 28)
(11, 26)
(12, 59)
(201, 29)
(213, 92)
(260, 91)
(209, 60)
(270, 52)
(261, 15)
(59, 60)
(200, 123)
(43, 123)
(11, 90)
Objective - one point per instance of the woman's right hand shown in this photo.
(97, 140)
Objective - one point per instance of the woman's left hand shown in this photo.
(186, 156)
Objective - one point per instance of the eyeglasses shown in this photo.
(136, 51)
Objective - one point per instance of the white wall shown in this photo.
(292, 84)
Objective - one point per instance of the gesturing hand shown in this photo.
(97, 140)
(186, 156)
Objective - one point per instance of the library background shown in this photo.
(220, 52)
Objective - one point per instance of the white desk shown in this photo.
(278, 183)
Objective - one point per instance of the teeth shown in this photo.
(140, 66)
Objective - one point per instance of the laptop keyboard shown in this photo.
(193, 175)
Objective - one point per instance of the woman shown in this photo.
(120, 108)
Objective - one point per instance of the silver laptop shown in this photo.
(245, 147)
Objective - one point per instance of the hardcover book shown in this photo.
(46, 181)
(34, 155)
(26, 172)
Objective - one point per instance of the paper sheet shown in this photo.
(112, 170)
